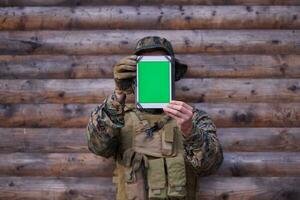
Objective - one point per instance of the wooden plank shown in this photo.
(238, 90)
(190, 90)
(43, 140)
(223, 114)
(259, 139)
(241, 66)
(260, 164)
(101, 66)
(260, 188)
(150, 17)
(89, 165)
(184, 41)
(253, 115)
(144, 2)
(42, 188)
(73, 140)
(55, 164)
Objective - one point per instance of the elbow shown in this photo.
(104, 149)
(219, 160)
(99, 144)
(214, 165)
(97, 150)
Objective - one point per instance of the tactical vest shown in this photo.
(152, 166)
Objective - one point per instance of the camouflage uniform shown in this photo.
(202, 150)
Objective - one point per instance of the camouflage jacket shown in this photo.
(202, 149)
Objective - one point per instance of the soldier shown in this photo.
(183, 145)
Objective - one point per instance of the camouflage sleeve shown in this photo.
(104, 125)
(202, 149)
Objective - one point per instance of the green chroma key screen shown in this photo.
(154, 81)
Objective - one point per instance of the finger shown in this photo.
(125, 75)
(130, 60)
(174, 102)
(182, 103)
(181, 108)
(178, 119)
(131, 57)
(175, 112)
(171, 115)
(134, 57)
(127, 62)
(124, 68)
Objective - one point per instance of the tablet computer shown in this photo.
(154, 81)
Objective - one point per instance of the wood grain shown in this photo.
(150, 17)
(260, 164)
(55, 164)
(189, 90)
(144, 2)
(73, 140)
(43, 140)
(235, 164)
(223, 114)
(124, 41)
(259, 139)
(57, 188)
(101, 66)
(258, 188)
(261, 188)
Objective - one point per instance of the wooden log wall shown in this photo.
(56, 61)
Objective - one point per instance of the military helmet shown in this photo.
(150, 43)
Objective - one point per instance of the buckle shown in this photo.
(149, 132)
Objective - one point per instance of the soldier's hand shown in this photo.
(182, 113)
(124, 74)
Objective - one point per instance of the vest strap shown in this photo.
(157, 125)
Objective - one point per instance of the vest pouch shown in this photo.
(156, 178)
(135, 190)
(168, 137)
(132, 190)
(176, 177)
(150, 146)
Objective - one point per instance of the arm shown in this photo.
(202, 148)
(104, 126)
(201, 145)
(106, 121)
